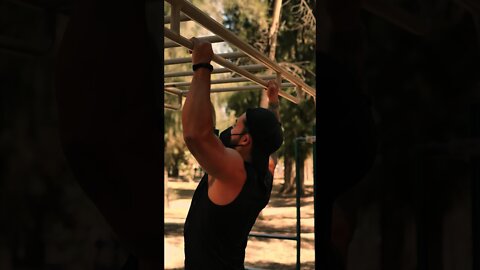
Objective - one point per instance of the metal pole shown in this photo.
(176, 92)
(183, 18)
(297, 203)
(171, 107)
(216, 58)
(211, 39)
(221, 81)
(175, 17)
(173, 90)
(247, 87)
(215, 27)
(215, 71)
(230, 55)
(227, 64)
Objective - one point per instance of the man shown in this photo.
(237, 183)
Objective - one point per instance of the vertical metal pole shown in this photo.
(175, 17)
(297, 181)
(300, 94)
(475, 163)
(279, 78)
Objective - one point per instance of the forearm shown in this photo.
(274, 106)
(197, 112)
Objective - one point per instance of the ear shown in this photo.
(246, 139)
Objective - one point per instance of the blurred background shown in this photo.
(414, 210)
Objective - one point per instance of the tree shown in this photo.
(272, 42)
(296, 44)
(177, 157)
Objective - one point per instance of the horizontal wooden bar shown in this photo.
(211, 39)
(173, 90)
(200, 17)
(246, 87)
(171, 107)
(231, 80)
(183, 18)
(230, 55)
(215, 71)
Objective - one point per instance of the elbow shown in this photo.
(191, 141)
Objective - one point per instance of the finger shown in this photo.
(194, 41)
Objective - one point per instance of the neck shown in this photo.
(245, 154)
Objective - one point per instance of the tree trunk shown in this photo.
(272, 42)
(175, 171)
(288, 183)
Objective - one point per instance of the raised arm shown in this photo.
(273, 101)
(273, 106)
(223, 163)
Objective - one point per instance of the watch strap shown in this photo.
(202, 65)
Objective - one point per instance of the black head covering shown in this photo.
(267, 135)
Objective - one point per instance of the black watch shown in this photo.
(202, 65)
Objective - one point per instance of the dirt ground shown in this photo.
(279, 217)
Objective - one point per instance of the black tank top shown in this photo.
(216, 236)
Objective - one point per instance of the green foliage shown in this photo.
(240, 101)
(295, 44)
(175, 147)
(247, 19)
(177, 157)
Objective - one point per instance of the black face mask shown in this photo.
(226, 138)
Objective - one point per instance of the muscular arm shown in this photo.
(273, 106)
(224, 164)
(108, 121)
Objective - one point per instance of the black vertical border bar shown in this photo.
(475, 165)
(422, 243)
